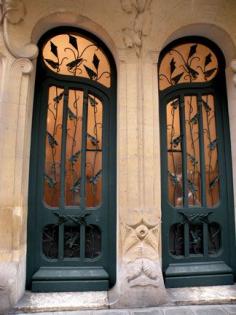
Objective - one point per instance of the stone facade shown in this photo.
(135, 31)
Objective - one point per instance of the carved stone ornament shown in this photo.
(141, 23)
(140, 252)
(13, 12)
(233, 67)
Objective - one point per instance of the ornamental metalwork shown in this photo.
(187, 63)
(74, 55)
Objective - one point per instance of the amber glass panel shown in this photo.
(75, 55)
(174, 147)
(73, 147)
(93, 244)
(210, 150)
(94, 152)
(191, 62)
(50, 241)
(72, 241)
(53, 146)
(192, 147)
(176, 239)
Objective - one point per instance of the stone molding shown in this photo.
(12, 14)
(141, 23)
(233, 67)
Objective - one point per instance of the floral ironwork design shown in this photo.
(73, 54)
(186, 63)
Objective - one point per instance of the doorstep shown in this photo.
(75, 301)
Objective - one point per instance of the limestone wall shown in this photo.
(135, 31)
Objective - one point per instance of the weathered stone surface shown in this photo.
(210, 311)
(179, 311)
(230, 309)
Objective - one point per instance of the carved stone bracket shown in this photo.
(140, 253)
(12, 12)
(141, 23)
(233, 66)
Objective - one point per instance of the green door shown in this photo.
(197, 206)
(72, 195)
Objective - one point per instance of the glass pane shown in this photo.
(176, 239)
(195, 238)
(72, 241)
(74, 55)
(191, 62)
(50, 241)
(94, 152)
(192, 147)
(214, 238)
(174, 146)
(92, 241)
(210, 150)
(73, 147)
(53, 146)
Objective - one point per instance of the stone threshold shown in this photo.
(76, 301)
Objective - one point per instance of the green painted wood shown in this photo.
(79, 285)
(222, 213)
(201, 280)
(75, 271)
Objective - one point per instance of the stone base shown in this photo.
(12, 285)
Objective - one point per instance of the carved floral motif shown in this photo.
(140, 250)
(141, 24)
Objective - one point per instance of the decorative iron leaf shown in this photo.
(92, 100)
(92, 75)
(192, 159)
(209, 73)
(193, 73)
(213, 183)
(96, 61)
(192, 187)
(176, 141)
(71, 115)
(192, 50)
(54, 49)
(76, 186)
(172, 66)
(61, 218)
(75, 157)
(94, 179)
(51, 181)
(93, 140)
(175, 104)
(195, 217)
(73, 63)
(208, 59)
(206, 106)
(58, 97)
(53, 64)
(51, 140)
(173, 178)
(212, 145)
(194, 119)
(176, 79)
(73, 41)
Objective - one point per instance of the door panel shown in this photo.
(194, 198)
(72, 195)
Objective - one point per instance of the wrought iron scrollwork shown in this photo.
(72, 54)
(187, 63)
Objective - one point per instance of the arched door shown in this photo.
(197, 204)
(72, 195)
